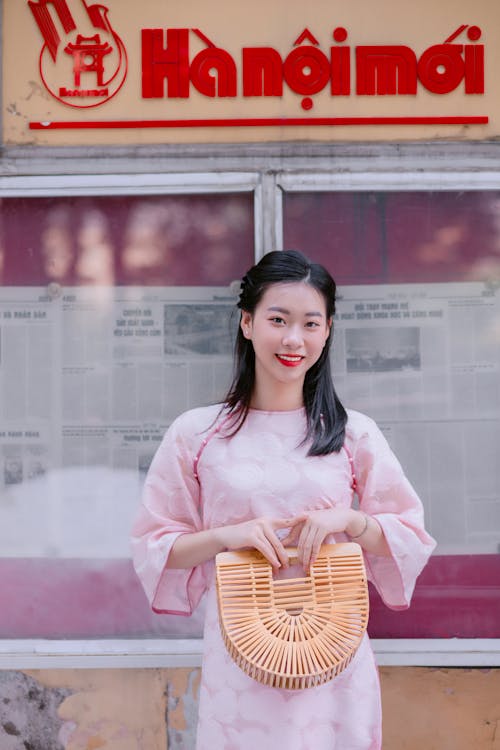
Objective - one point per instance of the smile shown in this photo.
(289, 360)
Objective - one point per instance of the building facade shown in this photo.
(149, 156)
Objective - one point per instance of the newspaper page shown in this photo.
(424, 362)
(91, 379)
(29, 415)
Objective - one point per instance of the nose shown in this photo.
(292, 337)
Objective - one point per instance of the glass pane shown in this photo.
(149, 241)
(397, 238)
(417, 347)
(115, 316)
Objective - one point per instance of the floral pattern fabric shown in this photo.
(202, 478)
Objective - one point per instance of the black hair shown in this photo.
(326, 417)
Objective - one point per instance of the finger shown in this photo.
(303, 546)
(291, 538)
(285, 523)
(317, 541)
(275, 541)
(266, 548)
(280, 551)
(311, 545)
(277, 545)
(296, 525)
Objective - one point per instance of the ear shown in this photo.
(246, 324)
(329, 324)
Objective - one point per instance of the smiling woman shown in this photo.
(276, 465)
(315, 289)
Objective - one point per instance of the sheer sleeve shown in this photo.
(386, 494)
(170, 507)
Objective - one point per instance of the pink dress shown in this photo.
(263, 470)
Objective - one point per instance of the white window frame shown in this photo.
(114, 653)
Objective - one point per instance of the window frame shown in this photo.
(268, 180)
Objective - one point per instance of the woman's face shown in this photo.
(288, 330)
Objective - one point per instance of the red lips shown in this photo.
(289, 360)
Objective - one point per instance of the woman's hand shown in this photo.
(259, 533)
(310, 530)
(193, 549)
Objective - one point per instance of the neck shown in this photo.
(277, 399)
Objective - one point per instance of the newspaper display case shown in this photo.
(137, 185)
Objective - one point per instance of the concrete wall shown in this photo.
(155, 709)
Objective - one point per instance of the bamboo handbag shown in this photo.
(293, 632)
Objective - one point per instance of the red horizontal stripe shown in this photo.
(456, 596)
(255, 122)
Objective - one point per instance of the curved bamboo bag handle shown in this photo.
(293, 632)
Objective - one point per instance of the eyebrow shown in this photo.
(283, 310)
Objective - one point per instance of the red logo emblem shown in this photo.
(83, 62)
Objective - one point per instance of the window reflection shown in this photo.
(57, 252)
(95, 261)
(406, 237)
(146, 241)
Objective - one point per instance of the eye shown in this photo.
(312, 324)
(276, 319)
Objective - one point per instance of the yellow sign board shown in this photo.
(126, 72)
